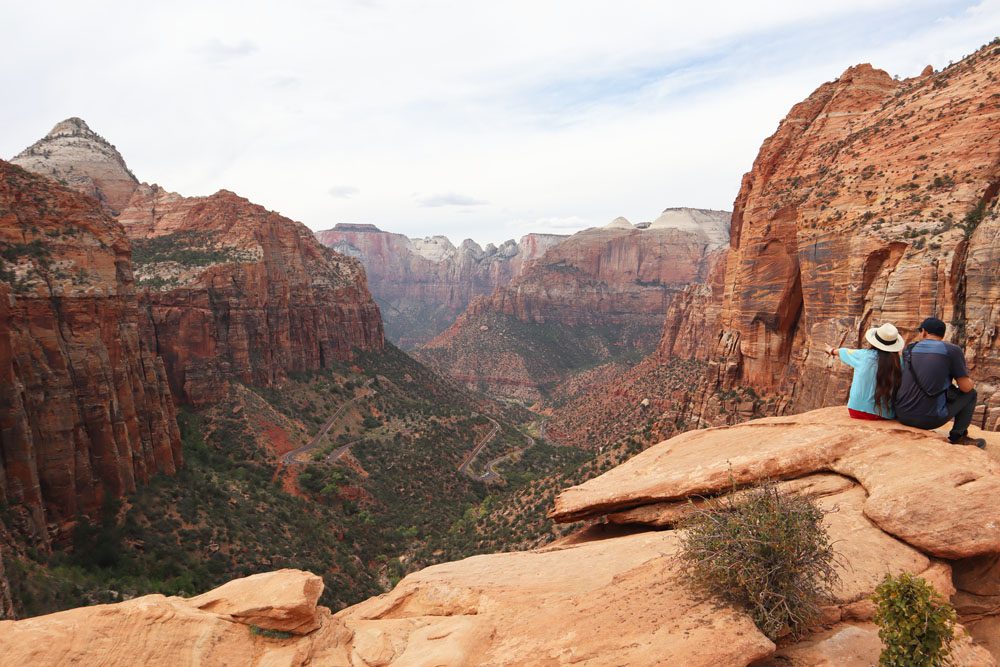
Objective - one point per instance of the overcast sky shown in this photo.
(467, 118)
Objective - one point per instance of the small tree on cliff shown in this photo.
(916, 625)
(765, 551)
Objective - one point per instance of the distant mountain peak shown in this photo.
(76, 156)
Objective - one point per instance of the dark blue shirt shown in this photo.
(935, 364)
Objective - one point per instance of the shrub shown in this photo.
(765, 551)
(915, 623)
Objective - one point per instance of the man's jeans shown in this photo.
(960, 407)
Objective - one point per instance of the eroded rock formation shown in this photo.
(875, 200)
(422, 285)
(228, 289)
(85, 410)
(612, 593)
(234, 291)
(74, 155)
(601, 293)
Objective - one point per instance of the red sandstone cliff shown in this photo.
(598, 295)
(85, 412)
(875, 200)
(423, 285)
(234, 291)
(228, 290)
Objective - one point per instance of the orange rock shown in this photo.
(899, 467)
(284, 600)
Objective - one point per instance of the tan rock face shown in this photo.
(895, 464)
(613, 601)
(423, 285)
(232, 290)
(85, 410)
(157, 630)
(74, 155)
(603, 292)
(875, 200)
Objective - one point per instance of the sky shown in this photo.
(471, 119)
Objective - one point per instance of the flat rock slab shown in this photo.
(939, 498)
(616, 601)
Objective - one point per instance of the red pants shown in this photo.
(857, 414)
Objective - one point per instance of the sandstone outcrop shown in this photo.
(423, 285)
(85, 409)
(234, 291)
(611, 594)
(875, 200)
(598, 295)
(158, 630)
(75, 156)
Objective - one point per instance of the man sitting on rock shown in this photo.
(926, 398)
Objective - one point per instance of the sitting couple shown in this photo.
(919, 392)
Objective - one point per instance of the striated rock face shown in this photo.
(600, 294)
(85, 410)
(613, 593)
(876, 200)
(74, 155)
(422, 285)
(234, 291)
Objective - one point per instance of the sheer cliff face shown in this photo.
(85, 410)
(234, 291)
(876, 200)
(74, 155)
(598, 295)
(422, 285)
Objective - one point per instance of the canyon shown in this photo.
(648, 347)
(423, 285)
(599, 295)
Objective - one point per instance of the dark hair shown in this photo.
(887, 380)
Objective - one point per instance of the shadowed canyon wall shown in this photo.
(85, 411)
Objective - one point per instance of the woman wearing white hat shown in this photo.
(877, 373)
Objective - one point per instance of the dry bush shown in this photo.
(766, 552)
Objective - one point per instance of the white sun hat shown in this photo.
(885, 337)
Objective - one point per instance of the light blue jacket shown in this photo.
(865, 365)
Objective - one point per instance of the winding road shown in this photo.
(491, 473)
(291, 458)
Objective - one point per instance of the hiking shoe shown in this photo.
(966, 440)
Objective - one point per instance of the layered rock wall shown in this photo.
(422, 285)
(599, 295)
(875, 201)
(85, 409)
(234, 291)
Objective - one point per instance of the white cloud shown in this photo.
(546, 110)
(343, 191)
(449, 199)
